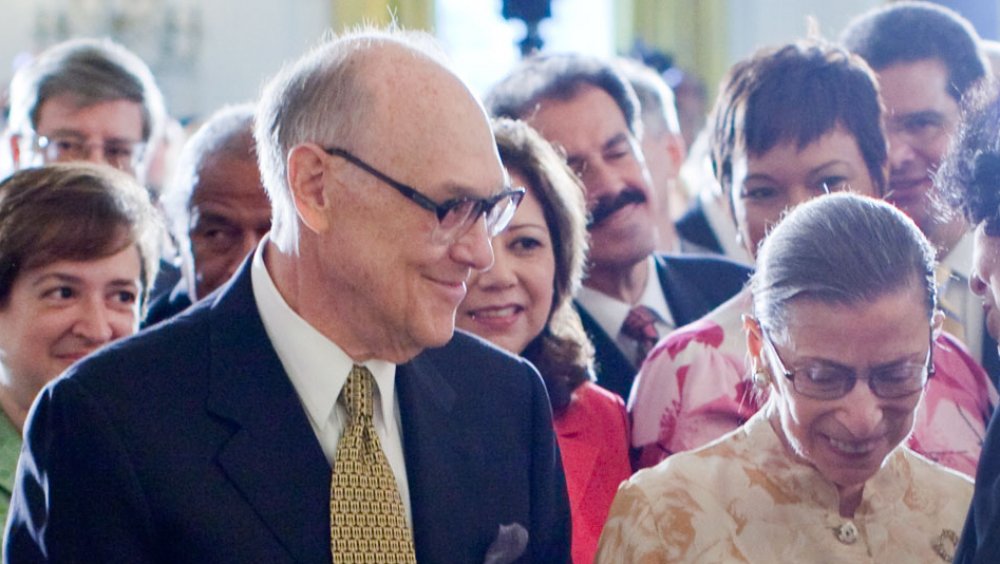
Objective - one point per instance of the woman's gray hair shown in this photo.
(321, 98)
(842, 249)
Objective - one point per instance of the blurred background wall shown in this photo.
(209, 52)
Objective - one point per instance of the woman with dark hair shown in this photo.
(524, 304)
(790, 124)
(844, 319)
(78, 253)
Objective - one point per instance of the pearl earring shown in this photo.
(761, 379)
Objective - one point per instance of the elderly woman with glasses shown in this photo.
(791, 124)
(844, 313)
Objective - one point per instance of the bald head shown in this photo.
(382, 91)
(424, 119)
(381, 167)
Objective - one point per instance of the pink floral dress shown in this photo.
(694, 387)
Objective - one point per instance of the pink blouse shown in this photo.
(693, 388)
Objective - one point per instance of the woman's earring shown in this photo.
(761, 379)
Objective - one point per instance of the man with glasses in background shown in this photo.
(85, 100)
(88, 100)
(321, 405)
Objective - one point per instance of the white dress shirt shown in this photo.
(956, 292)
(610, 313)
(318, 370)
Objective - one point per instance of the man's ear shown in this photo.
(307, 180)
(755, 342)
(677, 151)
(15, 149)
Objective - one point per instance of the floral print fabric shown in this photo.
(745, 498)
(694, 387)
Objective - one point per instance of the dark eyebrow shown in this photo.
(213, 217)
(615, 141)
(915, 358)
(760, 177)
(807, 361)
(821, 169)
(76, 133)
(921, 114)
(57, 277)
(67, 133)
(70, 279)
(459, 191)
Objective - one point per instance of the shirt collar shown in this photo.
(610, 313)
(316, 366)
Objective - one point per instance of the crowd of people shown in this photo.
(373, 318)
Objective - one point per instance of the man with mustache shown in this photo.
(926, 58)
(631, 295)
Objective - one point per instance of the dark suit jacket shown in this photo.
(167, 305)
(694, 227)
(188, 443)
(692, 285)
(980, 543)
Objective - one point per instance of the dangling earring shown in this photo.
(761, 379)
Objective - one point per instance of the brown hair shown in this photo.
(562, 352)
(797, 93)
(74, 212)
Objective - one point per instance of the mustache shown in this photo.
(608, 205)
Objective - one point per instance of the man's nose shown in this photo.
(600, 178)
(474, 248)
(901, 151)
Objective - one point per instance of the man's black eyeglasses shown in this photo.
(455, 216)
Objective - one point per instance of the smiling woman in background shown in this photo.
(524, 304)
(78, 251)
(845, 313)
(791, 124)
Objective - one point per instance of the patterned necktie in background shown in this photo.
(367, 517)
(640, 326)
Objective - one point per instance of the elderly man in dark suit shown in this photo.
(631, 295)
(219, 436)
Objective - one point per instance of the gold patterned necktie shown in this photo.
(367, 517)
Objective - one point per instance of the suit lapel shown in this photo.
(670, 286)
(614, 371)
(442, 459)
(272, 457)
